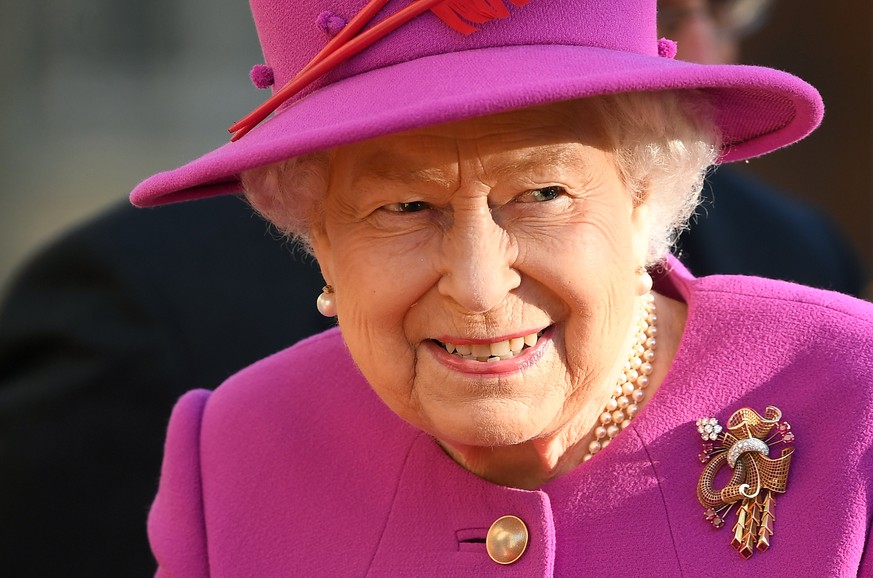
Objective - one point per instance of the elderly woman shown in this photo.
(489, 190)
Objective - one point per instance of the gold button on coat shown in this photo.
(506, 540)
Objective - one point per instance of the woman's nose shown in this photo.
(478, 255)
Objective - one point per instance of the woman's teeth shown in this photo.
(496, 351)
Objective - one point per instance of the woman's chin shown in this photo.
(486, 424)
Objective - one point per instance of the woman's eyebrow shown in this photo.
(534, 159)
(389, 166)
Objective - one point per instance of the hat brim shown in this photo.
(758, 110)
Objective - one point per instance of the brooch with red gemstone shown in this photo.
(745, 447)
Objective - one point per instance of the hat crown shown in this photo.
(291, 34)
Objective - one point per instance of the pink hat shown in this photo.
(511, 54)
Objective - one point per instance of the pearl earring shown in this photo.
(644, 281)
(326, 302)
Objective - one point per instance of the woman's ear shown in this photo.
(321, 248)
(641, 221)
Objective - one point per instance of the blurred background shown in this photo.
(99, 94)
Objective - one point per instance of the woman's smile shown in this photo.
(500, 356)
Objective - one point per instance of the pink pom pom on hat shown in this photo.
(262, 76)
(400, 64)
(330, 23)
(667, 48)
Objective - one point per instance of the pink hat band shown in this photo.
(427, 72)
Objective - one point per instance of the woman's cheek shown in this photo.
(377, 288)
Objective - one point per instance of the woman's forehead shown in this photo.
(443, 165)
(549, 134)
(549, 122)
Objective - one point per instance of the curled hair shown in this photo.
(290, 194)
(662, 145)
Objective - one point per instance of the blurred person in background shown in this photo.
(103, 330)
(100, 334)
(740, 215)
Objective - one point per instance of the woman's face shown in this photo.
(475, 239)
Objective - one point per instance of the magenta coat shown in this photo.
(294, 467)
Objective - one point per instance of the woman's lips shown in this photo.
(504, 356)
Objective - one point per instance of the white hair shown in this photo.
(662, 143)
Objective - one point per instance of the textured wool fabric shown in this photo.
(295, 468)
(426, 73)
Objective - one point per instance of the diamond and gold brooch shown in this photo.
(745, 447)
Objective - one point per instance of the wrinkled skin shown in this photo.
(478, 231)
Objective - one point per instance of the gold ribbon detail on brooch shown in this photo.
(745, 448)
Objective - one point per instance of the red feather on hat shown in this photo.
(455, 12)
(345, 44)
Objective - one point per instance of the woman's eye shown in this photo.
(411, 207)
(541, 195)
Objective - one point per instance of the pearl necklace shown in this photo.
(629, 391)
